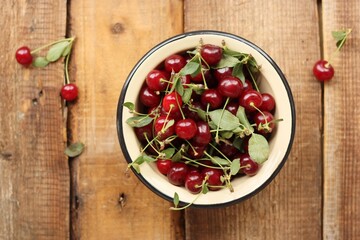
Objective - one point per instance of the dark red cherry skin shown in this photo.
(232, 107)
(211, 54)
(323, 71)
(196, 152)
(185, 128)
(174, 63)
(177, 173)
(164, 165)
(159, 127)
(228, 149)
(247, 85)
(248, 166)
(193, 181)
(203, 135)
(230, 87)
(222, 72)
(69, 92)
(268, 102)
(249, 99)
(264, 118)
(156, 80)
(212, 97)
(149, 97)
(176, 115)
(198, 78)
(214, 177)
(191, 113)
(23, 56)
(144, 132)
(172, 102)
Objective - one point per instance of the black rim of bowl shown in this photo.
(119, 119)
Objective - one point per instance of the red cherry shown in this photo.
(203, 136)
(211, 54)
(222, 72)
(196, 152)
(185, 128)
(149, 97)
(214, 177)
(172, 102)
(323, 71)
(160, 127)
(250, 100)
(164, 165)
(141, 132)
(174, 63)
(193, 181)
(268, 102)
(177, 173)
(212, 97)
(230, 87)
(248, 166)
(69, 92)
(23, 56)
(156, 80)
(264, 122)
(232, 107)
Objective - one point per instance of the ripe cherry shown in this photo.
(228, 149)
(156, 80)
(323, 71)
(230, 87)
(264, 122)
(250, 100)
(268, 102)
(203, 135)
(198, 78)
(193, 181)
(23, 56)
(211, 54)
(222, 72)
(164, 165)
(232, 107)
(69, 92)
(144, 133)
(214, 179)
(212, 97)
(248, 166)
(196, 152)
(149, 97)
(177, 173)
(247, 85)
(161, 128)
(185, 128)
(174, 63)
(172, 102)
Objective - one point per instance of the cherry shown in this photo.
(248, 166)
(247, 85)
(174, 63)
(250, 100)
(23, 56)
(156, 80)
(191, 113)
(172, 102)
(160, 128)
(185, 128)
(176, 115)
(323, 71)
(268, 102)
(203, 136)
(198, 78)
(228, 149)
(193, 181)
(141, 132)
(149, 97)
(196, 152)
(69, 92)
(211, 54)
(230, 87)
(232, 107)
(222, 72)
(164, 165)
(214, 179)
(264, 122)
(177, 173)
(212, 97)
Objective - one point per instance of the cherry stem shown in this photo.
(341, 44)
(218, 124)
(253, 79)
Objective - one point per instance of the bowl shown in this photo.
(273, 81)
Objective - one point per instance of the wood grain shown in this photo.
(34, 174)
(290, 207)
(111, 38)
(342, 124)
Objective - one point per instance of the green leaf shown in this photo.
(169, 152)
(40, 62)
(227, 61)
(169, 124)
(259, 149)
(201, 113)
(220, 161)
(176, 200)
(224, 119)
(190, 68)
(139, 160)
(139, 121)
(56, 51)
(186, 96)
(232, 53)
(148, 159)
(238, 72)
(339, 35)
(237, 143)
(177, 156)
(205, 189)
(235, 166)
(129, 105)
(241, 115)
(67, 50)
(75, 149)
(136, 167)
(226, 134)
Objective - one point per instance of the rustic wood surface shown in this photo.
(44, 195)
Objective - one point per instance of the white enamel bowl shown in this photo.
(273, 81)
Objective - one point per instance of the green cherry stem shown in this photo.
(341, 44)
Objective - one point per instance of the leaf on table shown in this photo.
(56, 51)
(40, 62)
(75, 149)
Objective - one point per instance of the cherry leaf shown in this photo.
(169, 152)
(176, 199)
(220, 161)
(129, 105)
(224, 119)
(139, 121)
(259, 149)
(56, 51)
(227, 61)
(204, 189)
(241, 115)
(191, 68)
(67, 50)
(235, 166)
(238, 72)
(40, 62)
(75, 149)
(148, 158)
(186, 96)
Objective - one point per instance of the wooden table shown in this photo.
(45, 195)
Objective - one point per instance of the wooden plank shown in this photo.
(111, 38)
(34, 173)
(342, 124)
(290, 207)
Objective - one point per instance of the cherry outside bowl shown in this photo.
(273, 81)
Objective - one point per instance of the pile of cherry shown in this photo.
(200, 110)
